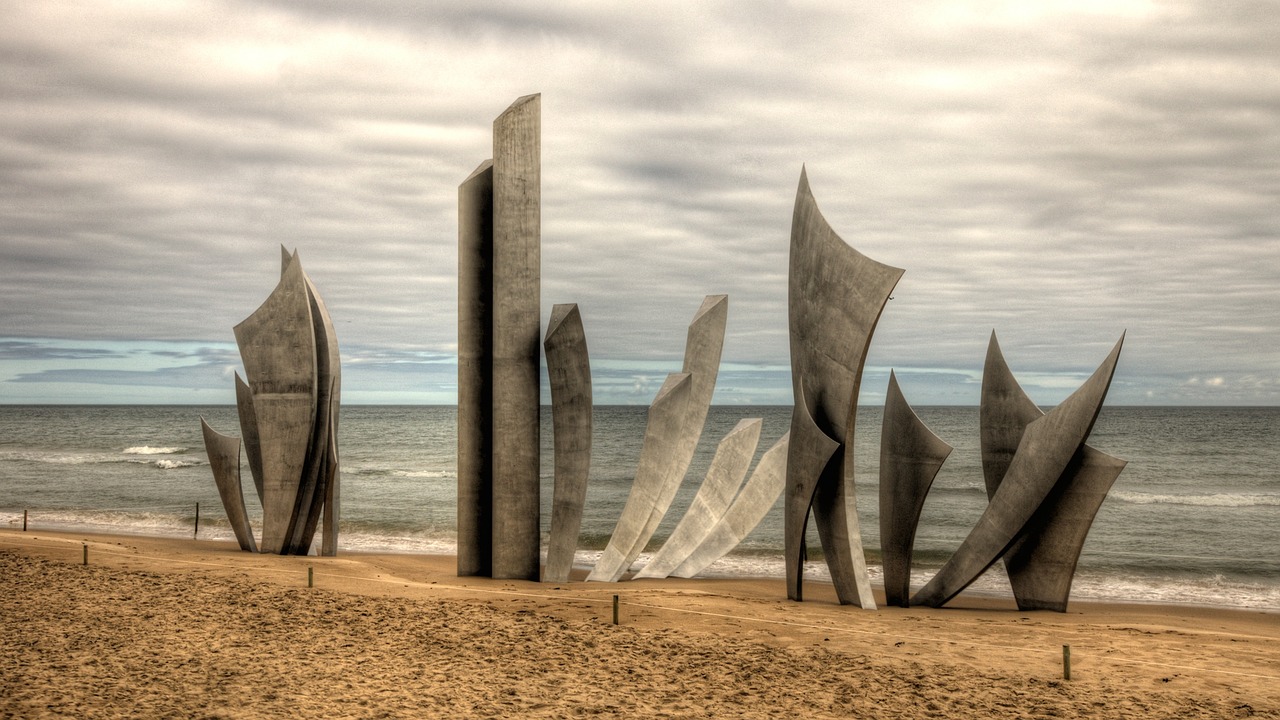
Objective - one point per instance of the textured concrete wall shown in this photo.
(517, 203)
(475, 363)
(809, 454)
(910, 457)
(757, 497)
(224, 461)
(569, 371)
(724, 477)
(835, 298)
(1046, 448)
(249, 428)
(1040, 564)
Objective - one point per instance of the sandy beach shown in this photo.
(157, 627)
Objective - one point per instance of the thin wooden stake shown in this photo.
(86, 555)
(24, 521)
(310, 577)
(615, 609)
(196, 533)
(1066, 662)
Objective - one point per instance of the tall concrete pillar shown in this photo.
(517, 289)
(475, 355)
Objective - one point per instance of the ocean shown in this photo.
(1194, 518)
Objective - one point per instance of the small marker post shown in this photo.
(196, 533)
(310, 577)
(85, 561)
(615, 609)
(24, 520)
(1066, 662)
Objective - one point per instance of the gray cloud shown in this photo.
(1058, 172)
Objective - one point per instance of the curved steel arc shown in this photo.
(910, 457)
(569, 370)
(224, 461)
(758, 496)
(723, 479)
(1046, 448)
(1040, 564)
(656, 466)
(249, 428)
(835, 298)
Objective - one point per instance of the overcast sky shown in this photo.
(1060, 172)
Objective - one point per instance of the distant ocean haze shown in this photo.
(1194, 517)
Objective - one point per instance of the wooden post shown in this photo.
(615, 609)
(24, 520)
(85, 561)
(196, 532)
(310, 577)
(1066, 662)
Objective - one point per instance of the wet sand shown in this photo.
(157, 627)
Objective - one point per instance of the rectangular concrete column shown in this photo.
(475, 351)
(517, 242)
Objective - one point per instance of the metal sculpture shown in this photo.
(1044, 453)
(1041, 564)
(835, 298)
(723, 479)
(499, 286)
(757, 497)
(569, 370)
(224, 460)
(910, 457)
(288, 411)
(658, 479)
(657, 464)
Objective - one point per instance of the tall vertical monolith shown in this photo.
(499, 287)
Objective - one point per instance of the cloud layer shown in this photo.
(1060, 172)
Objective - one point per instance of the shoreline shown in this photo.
(974, 657)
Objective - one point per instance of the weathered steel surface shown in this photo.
(224, 461)
(809, 453)
(758, 496)
(517, 203)
(569, 370)
(475, 365)
(249, 428)
(703, 346)
(724, 477)
(278, 349)
(910, 457)
(656, 466)
(1041, 564)
(835, 298)
(333, 493)
(318, 470)
(1046, 448)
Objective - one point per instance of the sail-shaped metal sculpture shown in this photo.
(910, 457)
(723, 479)
(288, 409)
(664, 462)
(757, 497)
(224, 461)
(1042, 563)
(1045, 451)
(835, 298)
(569, 370)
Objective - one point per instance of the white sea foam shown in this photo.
(172, 464)
(424, 473)
(1203, 500)
(148, 450)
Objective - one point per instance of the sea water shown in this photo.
(1194, 517)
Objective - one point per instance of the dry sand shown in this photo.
(179, 628)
